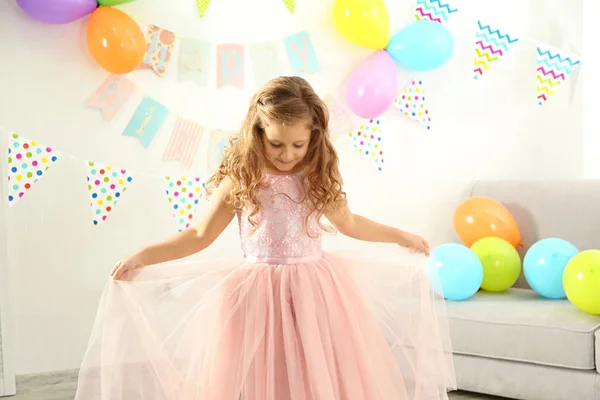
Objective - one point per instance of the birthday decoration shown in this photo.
(27, 163)
(265, 62)
(368, 140)
(413, 104)
(202, 6)
(301, 53)
(183, 195)
(106, 185)
(184, 141)
(112, 95)
(194, 61)
(219, 141)
(291, 5)
(490, 45)
(146, 121)
(553, 68)
(159, 44)
(230, 65)
(433, 10)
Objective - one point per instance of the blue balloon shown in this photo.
(459, 269)
(544, 264)
(422, 46)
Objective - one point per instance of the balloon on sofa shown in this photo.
(459, 269)
(115, 41)
(544, 265)
(478, 217)
(501, 263)
(422, 45)
(581, 281)
(57, 11)
(372, 86)
(364, 22)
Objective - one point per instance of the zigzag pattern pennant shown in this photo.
(490, 45)
(552, 69)
(433, 10)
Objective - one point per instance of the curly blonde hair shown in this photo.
(283, 100)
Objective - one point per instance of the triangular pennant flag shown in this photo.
(27, 163)
(433, 10)
(368, 140)
(552, 69)
(413, 104)
(106, 185)
(490, 45)
(184, 194)
(202, 6)
(290, 4)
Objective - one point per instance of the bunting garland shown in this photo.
(184, 141)
(553, 68)
(159, 44)
(490, 45)
(413, 104)
(202, 6)
(368, 140)
(433, 10)
(183, 195)
(106, 185)
(27, 163)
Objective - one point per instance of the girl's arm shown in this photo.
(361, 228)
(198, 237)
(190, 241)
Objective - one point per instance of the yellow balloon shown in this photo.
(501, 263)
(581, 281)
(363, 22)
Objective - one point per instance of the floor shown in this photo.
(61, 386)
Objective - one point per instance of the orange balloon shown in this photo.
(479, 217)
(115, 41)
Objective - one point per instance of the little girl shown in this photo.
(288, 322)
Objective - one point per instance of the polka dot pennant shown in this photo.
(413, 104)
(106, 186)
(27, 163)
(367, 139)
(184, 194)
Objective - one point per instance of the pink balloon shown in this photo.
(373, 85)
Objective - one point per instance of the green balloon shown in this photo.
(501, 263)
(110, 3)
(581, 281)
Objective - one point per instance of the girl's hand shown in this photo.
(127, 264)
(415, 243)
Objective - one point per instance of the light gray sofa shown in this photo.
(517, 344)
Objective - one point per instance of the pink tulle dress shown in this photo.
(287, 322)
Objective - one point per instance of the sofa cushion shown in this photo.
(519, 325)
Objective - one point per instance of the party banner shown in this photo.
(265, 60)
(290, 4)
(341, 119)
(553, 68)
(490, 45)
(159, 45)
(368, 140)
(183, 195)
(27, 163)
(219, 141)
(194, 61)
(230, 65)
(112, 95)
(184, 141)
(301, 53)
(106, 185)
(202, 6)
(413, 104)
(433, 10)
(146, 121)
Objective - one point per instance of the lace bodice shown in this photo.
(282, 235)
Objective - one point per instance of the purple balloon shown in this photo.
(57, 11)
(373, 85)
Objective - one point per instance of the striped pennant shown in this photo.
(490, 45)
(433, 10)
(184, 141)
(553, 68)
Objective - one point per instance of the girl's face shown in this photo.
(285, 146)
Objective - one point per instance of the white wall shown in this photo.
(58, 261)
